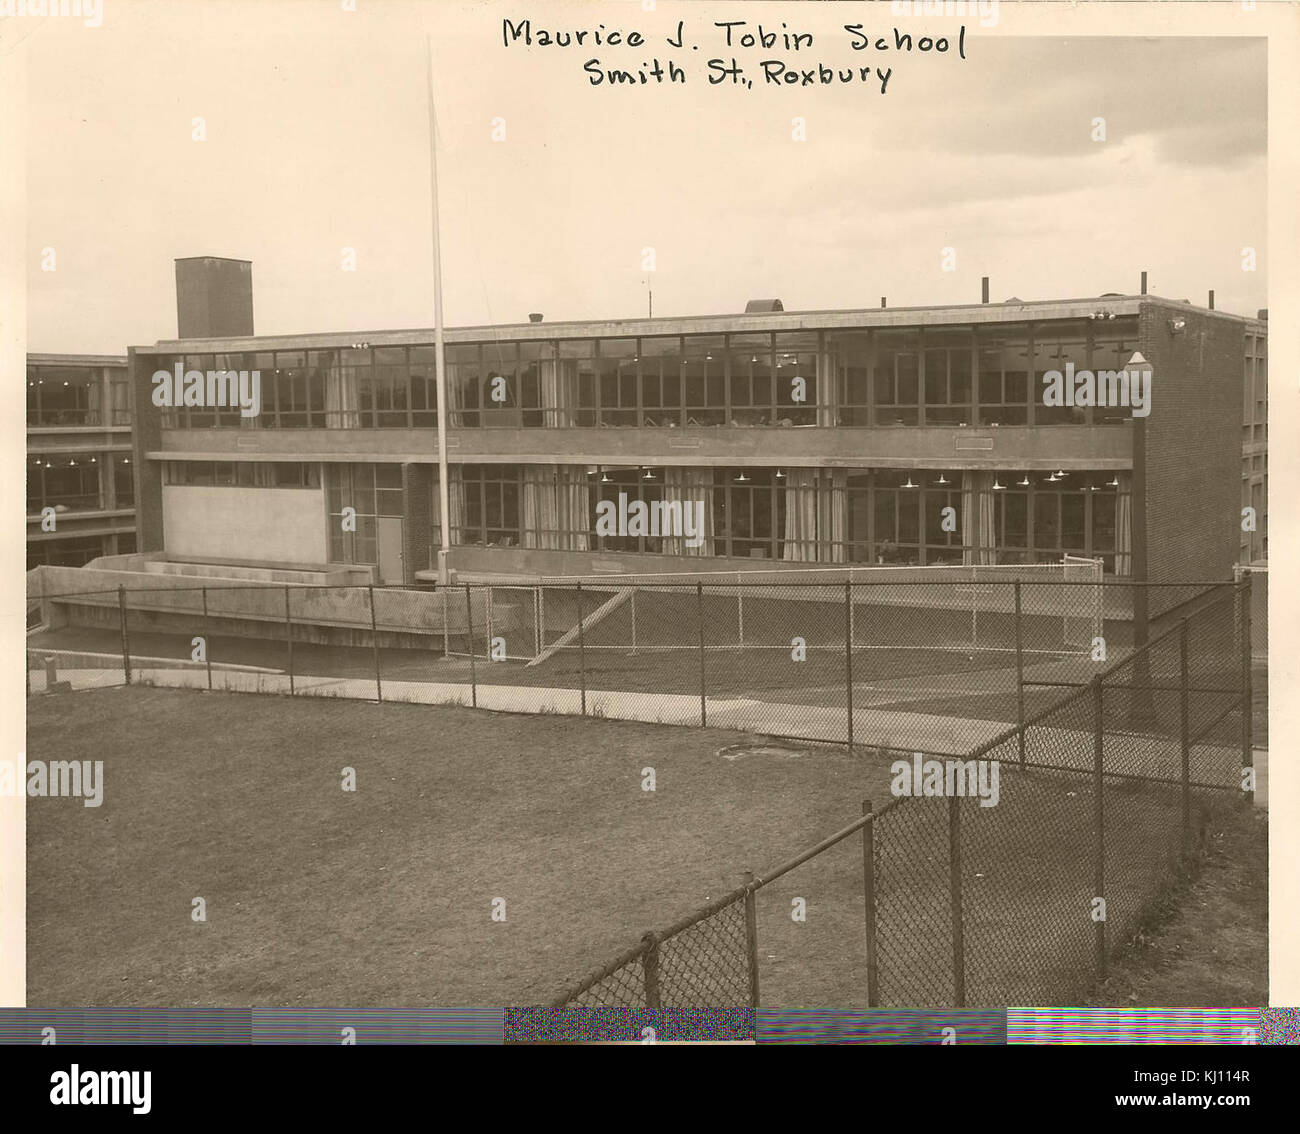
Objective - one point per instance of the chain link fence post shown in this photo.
(869, 902)
(126, 640)
(582, 652)
(650, 967)
(699, 617)
(954, 889)
(1185, 740)
(469, 632)
(1020, 678)
(1246, 597)
(374, 643)
(288, 637)
(1099, 822)
(207, 639)
(751, 937)
(848, 660)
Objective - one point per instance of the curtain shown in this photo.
(693, 486)
(978, 518)
(94, 404)
(455, 504)
(828, 390)
(456, 381)
(800, 544)
(555, 507)
(1124, 525)
(816, 516)
(832, 514)
(541, 507)
(559, 392)
(573, 507)
(342, 408)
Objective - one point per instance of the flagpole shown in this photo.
(440, 364)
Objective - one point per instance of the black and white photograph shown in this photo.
(658, 520)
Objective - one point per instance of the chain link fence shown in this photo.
(1116, 738)
(1101, 803)
(903, 664)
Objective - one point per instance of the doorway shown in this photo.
(390, 549)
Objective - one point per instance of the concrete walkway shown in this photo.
(922, 732)
(907, 732)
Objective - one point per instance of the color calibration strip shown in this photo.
(903, 1026)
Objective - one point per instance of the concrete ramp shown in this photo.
(593, 619)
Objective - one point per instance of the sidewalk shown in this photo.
(906, 731)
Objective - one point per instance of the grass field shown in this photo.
(384, 896)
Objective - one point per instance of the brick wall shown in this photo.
(417, 503)
(1192, 513)
(146, 435)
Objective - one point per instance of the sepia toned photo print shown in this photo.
(670, 519)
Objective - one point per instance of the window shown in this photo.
(490, 514)
(948, 380)
(68, 552)
(119, 386)
(499, 395)
(752, 367)
(1113, 345)
(1054, 347)
(532, 397)
(748, 513)
(853, 361)
(423, 362)
(463, 372)
(796, 379)
(637, 484)
(897, 378)
(1003, 379)
(241, 474)
(371, 491)
(123, 481)
(705, 380)
(285, 403)
(616, 368)
(897, 516)
(63, 395)
(63, 483)
(943, 529)
(661, 382)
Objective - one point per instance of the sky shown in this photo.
(316, 141)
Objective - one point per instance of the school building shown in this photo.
(80, 479)
(807, 438)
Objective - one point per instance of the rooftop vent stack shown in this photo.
(882, 301)
(214, 297)
(534, 316)
(1211, 299)
(1144, 283)
(984, 289)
